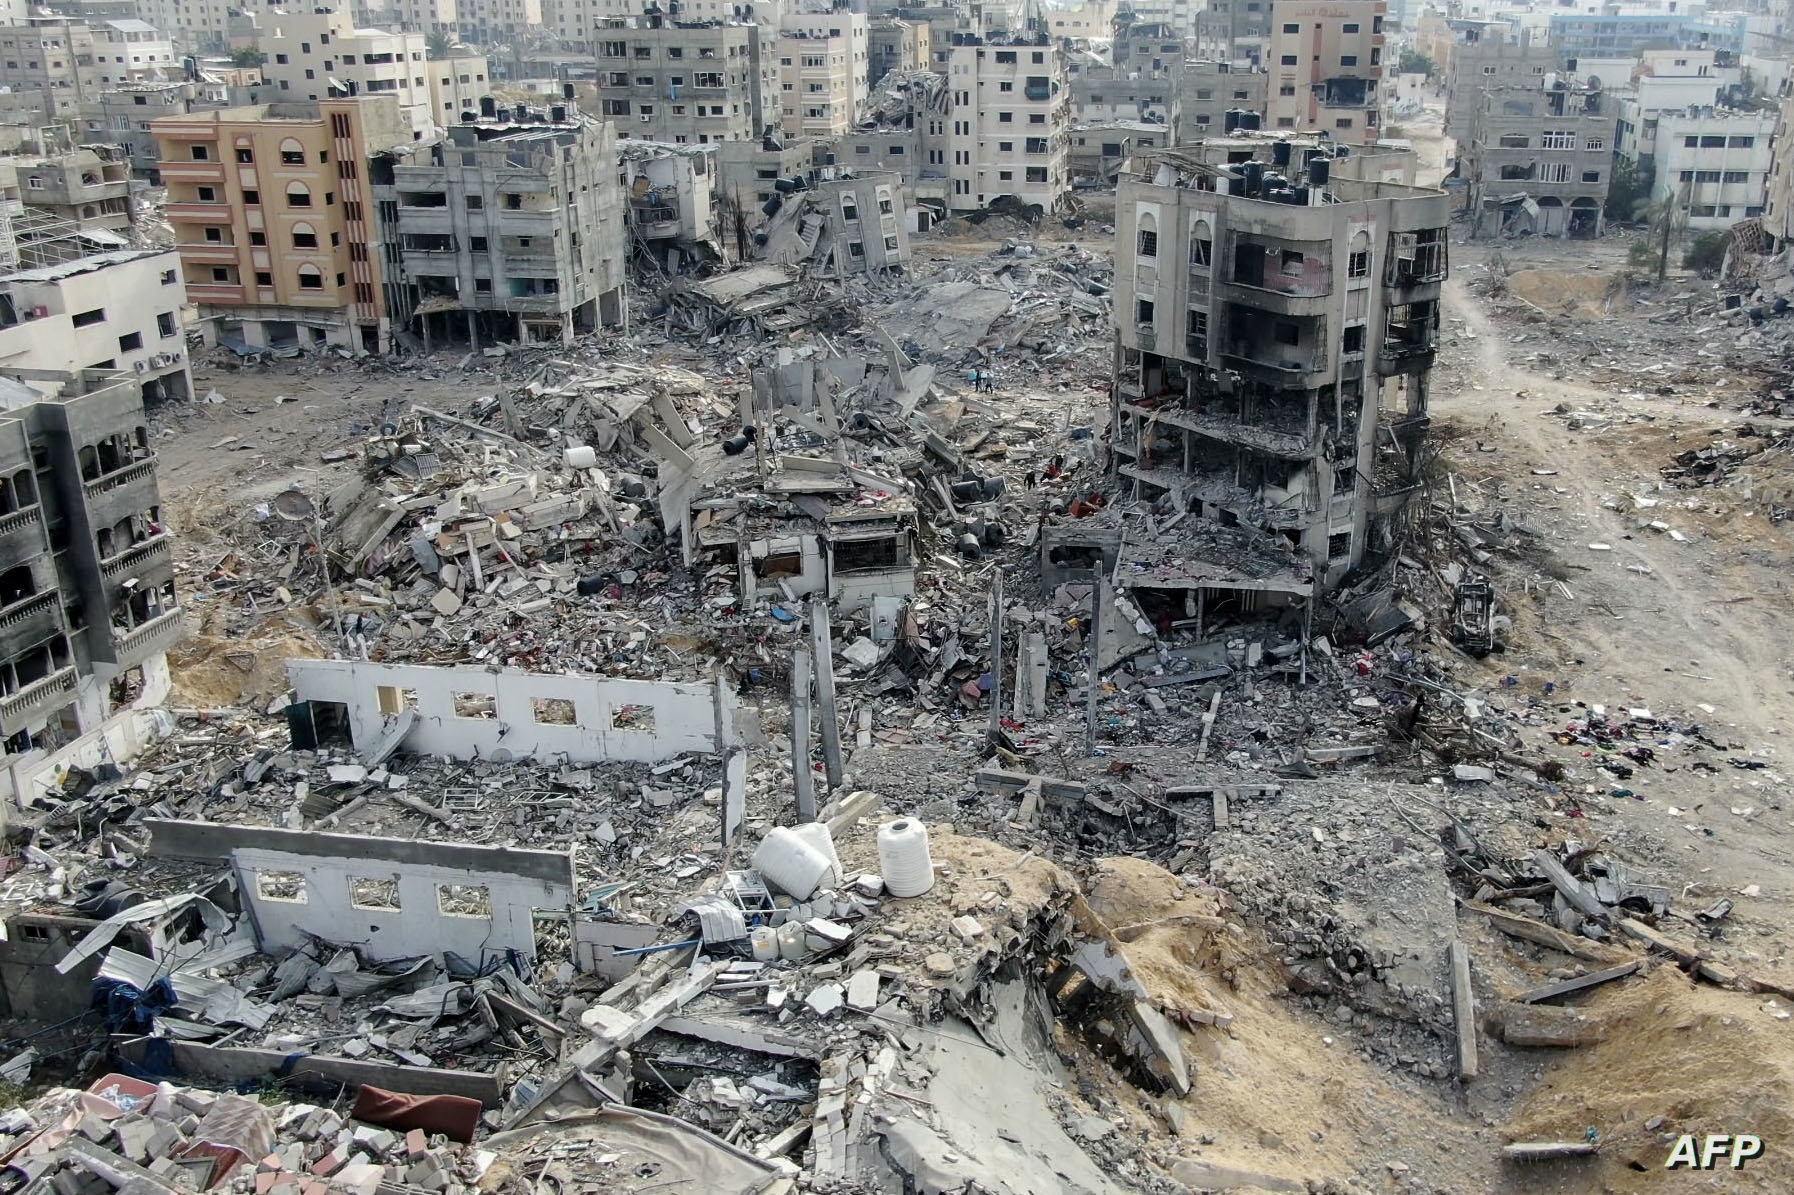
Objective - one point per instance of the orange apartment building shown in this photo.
(275, 221)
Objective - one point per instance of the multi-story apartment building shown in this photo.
(1096, 152)
(113, 311)
(1233, 30)
(132, 51)
(1716, 163)
(1539, 158)
(1146, 48)
(89, 187)
(457, 84)
(124, 115)
(686, 84)
(1608, 34)
(320, 54)
(413, 16)
(1275, 333)
(1325, 60)
(821, 86)
(1010, 113)
(57, 58)
(1479, 65)
(1103, 95)
(667, 192)
(1091, 20)
(279, 240)
(838, 24)
(894, 44)
(748, 174)
(1207, 91)
(486, 21)
(508, 228)
(88, 608)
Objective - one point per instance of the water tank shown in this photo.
(566, 91)
(1254, 173)
(520, 113)
(488, 107)
(1318, 171)
(1280, 154)
(558, 114)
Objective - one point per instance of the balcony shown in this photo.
(32, 619)
(118, 479)
(222, 252)
(528, 222)
(191, 172)
(190, 210)
(22, 534)
(138, 644)
(1288, 438)
(156, 551)
(215, 292)
(531, 303)
(21, 709)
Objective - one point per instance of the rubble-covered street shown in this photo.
(775, 748)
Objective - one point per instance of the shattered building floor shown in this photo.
(1298, 895)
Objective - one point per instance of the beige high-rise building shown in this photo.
(1324, 62)
(822, 73)
(278, 235)
(1009, 120)
(687, 85)
(457, 84)
(898, 45)
(56, 58)
(314, 55)
(485, 21)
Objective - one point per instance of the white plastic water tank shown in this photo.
(790, 864)
(903, 857)
(818, 836)
(581, 456)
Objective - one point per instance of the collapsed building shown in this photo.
(1539, 157)
(1275, 332)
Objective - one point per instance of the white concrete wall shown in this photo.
(686, 717)
(417, 926)
(116, 740)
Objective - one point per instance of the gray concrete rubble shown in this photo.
(852, 732)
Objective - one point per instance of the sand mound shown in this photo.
(210, 670)
(1706, 1061)
(1589, 294)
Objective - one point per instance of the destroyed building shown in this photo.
(1275, 333)
(508, 228)
(1539, 158)
(855, 222)
(1489, 61)
(1105, 95)
(86, 574)
(667, 192)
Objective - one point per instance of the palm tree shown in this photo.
(1666, 219)
(438, 45)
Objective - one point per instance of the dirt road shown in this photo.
(1678, 627)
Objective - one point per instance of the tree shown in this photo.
(250, 55)
(1707, 253)
(1413, 62)
(1629, 189)
(1665, 219)
(438, 45)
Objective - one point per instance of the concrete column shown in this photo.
(1031, 677)
(1094, 646)
(802, 780)
(823, 649)
(996, 656)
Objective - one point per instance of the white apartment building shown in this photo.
(1009, 122)
(457, 85)
(313, 55)
(113, 311)
(132, 51)
(1716, 162)
(413, 16)
(855, 27)
(820, 89)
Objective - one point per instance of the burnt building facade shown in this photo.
(1276, 324)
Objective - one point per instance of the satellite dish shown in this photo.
(292, 506)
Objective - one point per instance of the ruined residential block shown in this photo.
(1274, 351)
